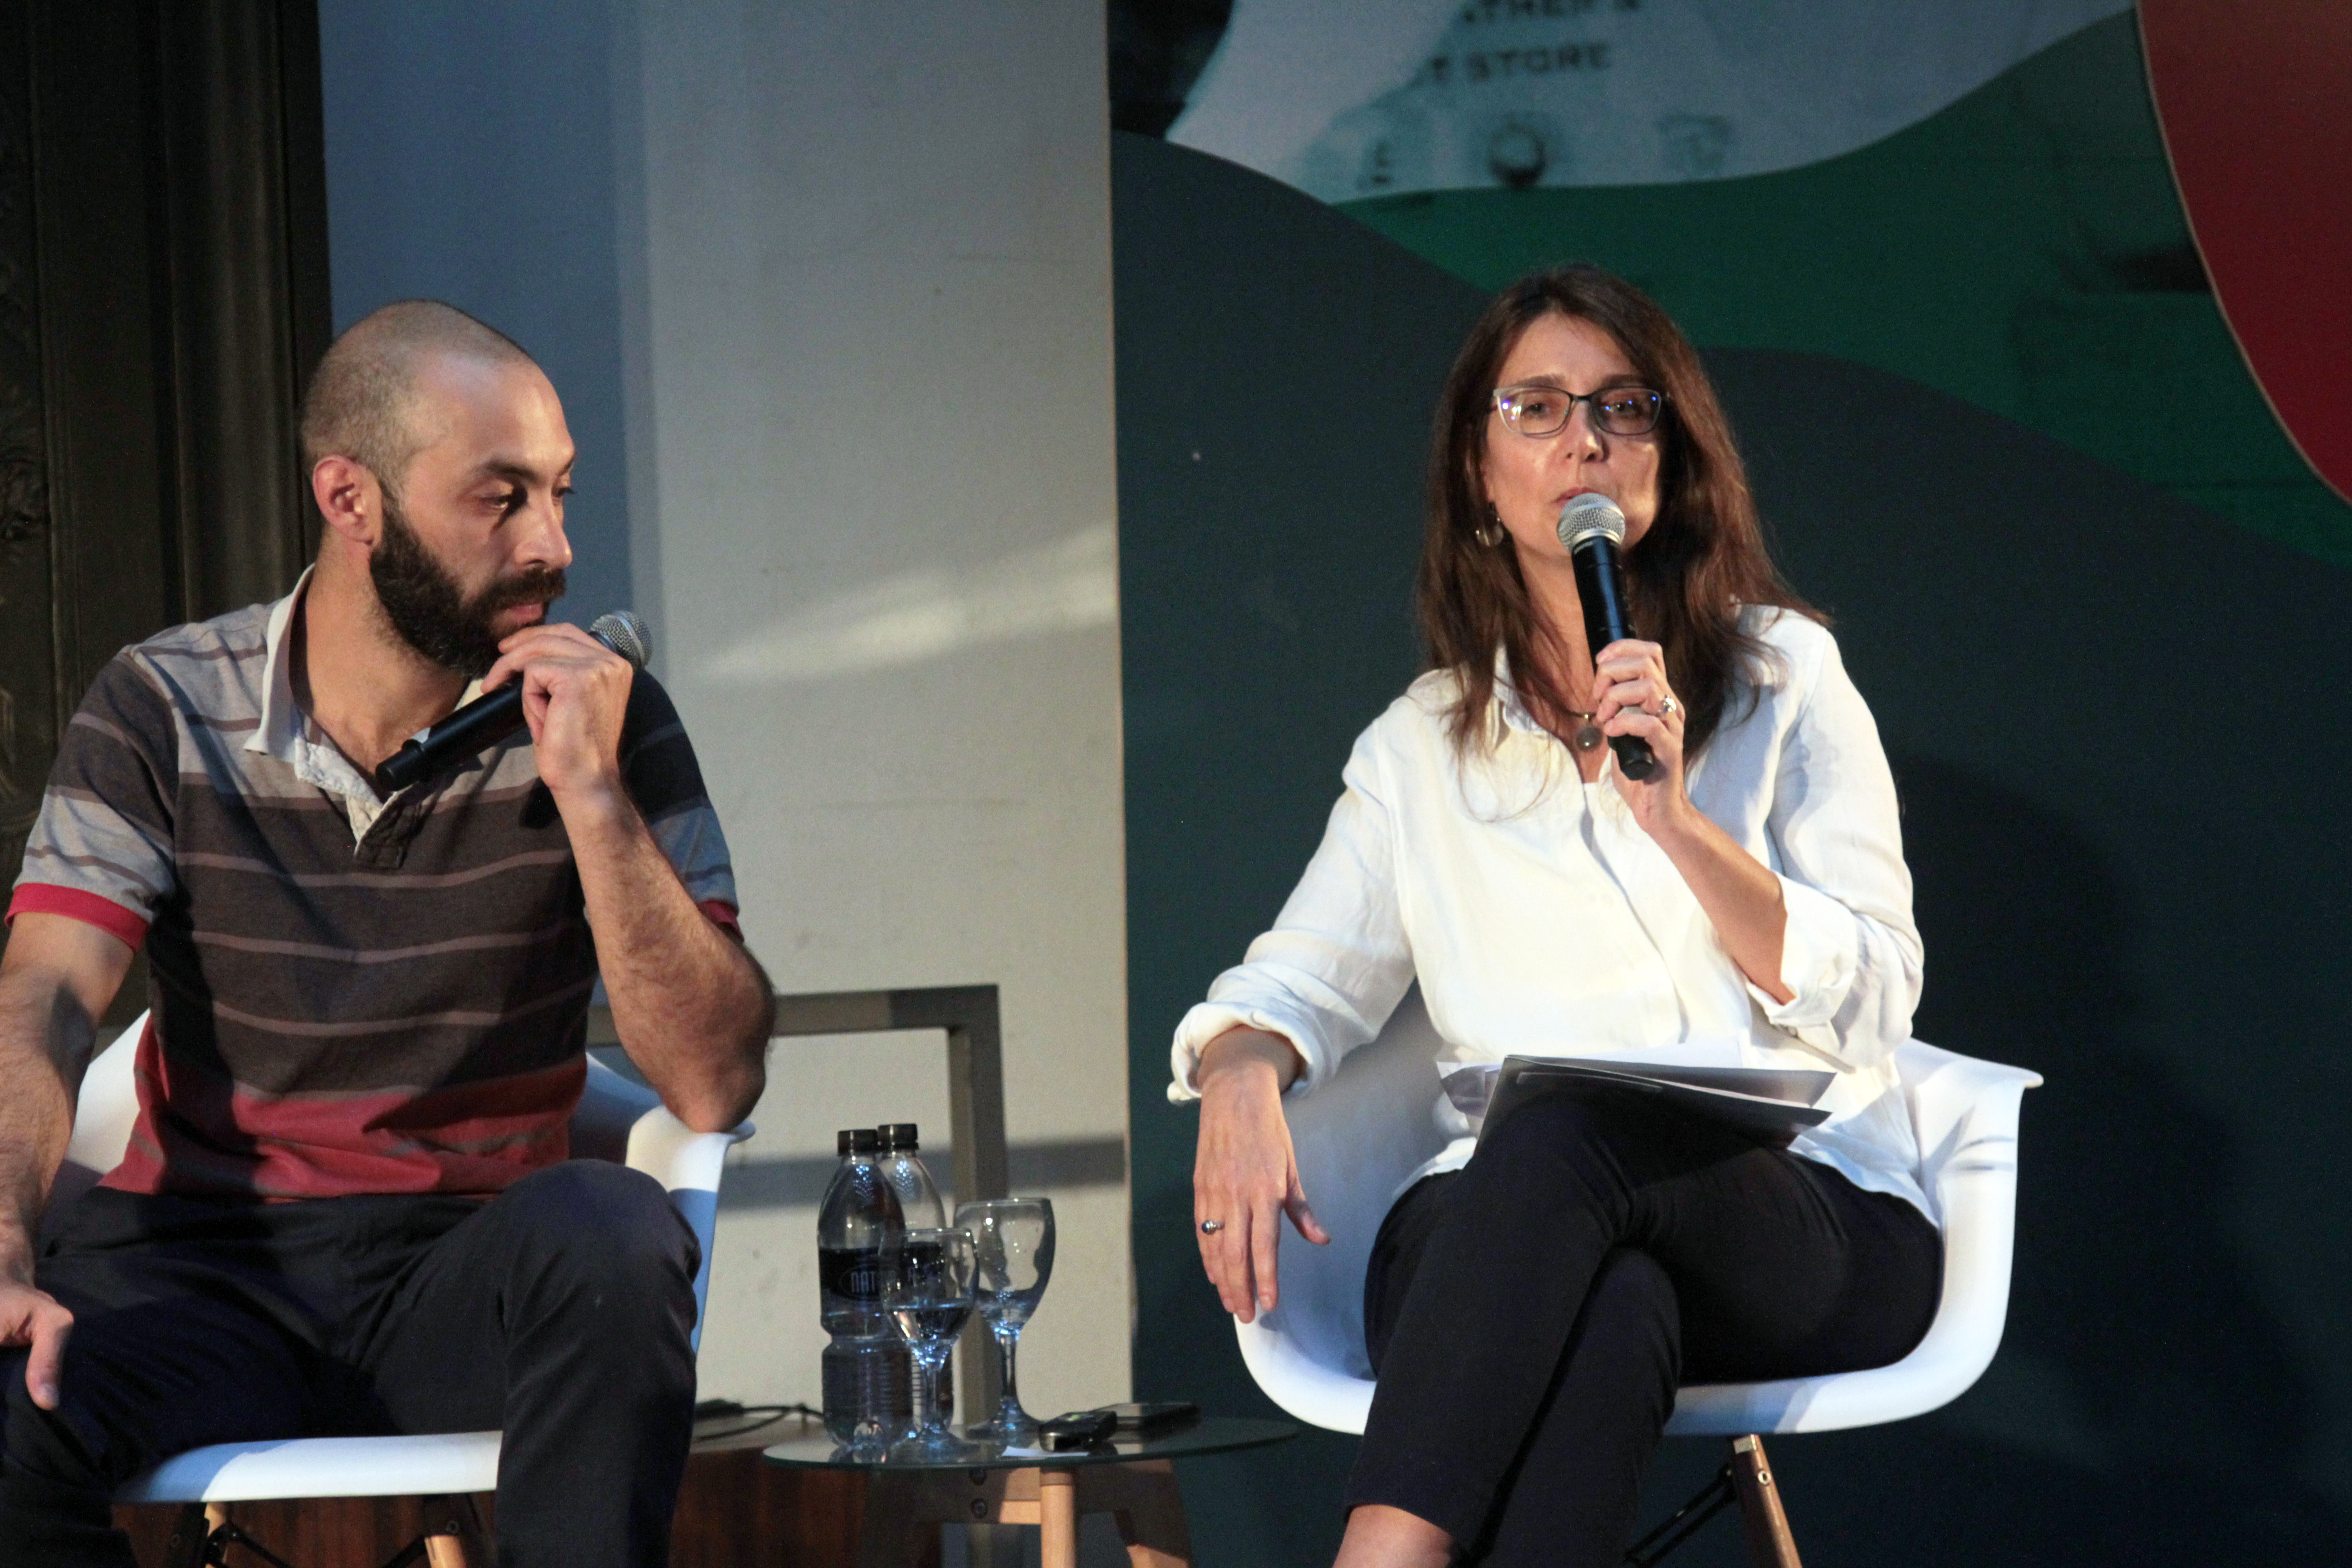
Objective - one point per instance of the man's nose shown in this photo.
(544, 542)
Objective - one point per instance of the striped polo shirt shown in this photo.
(350, 995)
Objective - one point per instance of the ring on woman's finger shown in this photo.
(1210, 1227)
(1666, 708)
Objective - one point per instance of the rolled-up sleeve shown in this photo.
(1850, 957)
(1335, 964)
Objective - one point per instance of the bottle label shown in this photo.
(853, 1273)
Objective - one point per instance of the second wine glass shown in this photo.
(929, 1300)
(1013, 1241)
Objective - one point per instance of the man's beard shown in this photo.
(428, 607)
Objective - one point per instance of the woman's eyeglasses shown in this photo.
(1540, 411)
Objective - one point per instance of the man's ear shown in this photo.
(348, 498)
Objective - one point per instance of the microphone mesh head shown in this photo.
(623, 631)
(1590, 516)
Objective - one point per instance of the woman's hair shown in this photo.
(1686, 580)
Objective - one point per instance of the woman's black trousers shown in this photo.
(1532, 1315)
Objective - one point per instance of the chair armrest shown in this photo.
(688, 1165)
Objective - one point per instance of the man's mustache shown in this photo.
(537, 585)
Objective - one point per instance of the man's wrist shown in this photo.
(16, 1256)
(600, 806)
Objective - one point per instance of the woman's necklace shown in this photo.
(1588, 734)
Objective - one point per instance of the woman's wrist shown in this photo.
(1676, 826)
(1242, 1054)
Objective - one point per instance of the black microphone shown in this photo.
(493, 716)
(1593, 528)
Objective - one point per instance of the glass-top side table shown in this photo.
(1131, 1479)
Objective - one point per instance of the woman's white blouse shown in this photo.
(1542, 920)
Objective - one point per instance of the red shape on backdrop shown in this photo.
(2256, 101)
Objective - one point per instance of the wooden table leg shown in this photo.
(1144, 1500)
(1769, 1545)
(1057, 1519)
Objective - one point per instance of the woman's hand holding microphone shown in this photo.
(1630, 697)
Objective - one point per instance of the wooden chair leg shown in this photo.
(1769, 1545)
(454, 1534)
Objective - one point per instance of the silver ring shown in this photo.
(1210, 1227)
(1666, 708)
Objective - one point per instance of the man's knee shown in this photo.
(601, 1224)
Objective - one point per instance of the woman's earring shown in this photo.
(1491, 532)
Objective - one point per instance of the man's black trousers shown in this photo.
(1531, 1316)
(558, 1310)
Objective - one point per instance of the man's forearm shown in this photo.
(692, 1008)
(45, 1036)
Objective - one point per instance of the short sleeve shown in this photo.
(665, 780)
(101, 849)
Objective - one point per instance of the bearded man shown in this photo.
(346, 1207)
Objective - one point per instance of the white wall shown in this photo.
(826, 292)
(865, 287)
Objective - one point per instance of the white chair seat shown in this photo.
(438, 1464)
(1370, 1127)
(616, 1120)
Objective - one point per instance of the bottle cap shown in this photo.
(899, 1135)
(856, 1140)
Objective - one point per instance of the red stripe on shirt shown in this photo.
(724, 916)
(47, 899)
(471, 1138)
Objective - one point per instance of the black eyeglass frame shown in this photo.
(1498, 400)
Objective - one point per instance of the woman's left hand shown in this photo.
(1631, 696)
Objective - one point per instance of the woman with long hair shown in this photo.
(1530, 1312)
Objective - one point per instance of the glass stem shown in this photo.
(927, 1412)
(1008, 1340)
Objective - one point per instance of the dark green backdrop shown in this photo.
(2112, 716)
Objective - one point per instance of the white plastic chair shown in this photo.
(1367, 1130)
(616, 1120)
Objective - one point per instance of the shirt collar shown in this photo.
(282, 720)
(286, 732)
(1510, 708)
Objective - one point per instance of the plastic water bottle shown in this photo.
(918, 1202)
(869, 1373)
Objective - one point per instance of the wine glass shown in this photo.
(929, 1300)
(1013, 1239)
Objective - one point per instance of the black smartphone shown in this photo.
(1080, 1429)
(1153, 1417)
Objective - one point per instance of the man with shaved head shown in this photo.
(346, 1205)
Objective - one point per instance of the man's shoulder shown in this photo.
(656, 755)
(650, 709)
(225, 639)
(205, 668)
